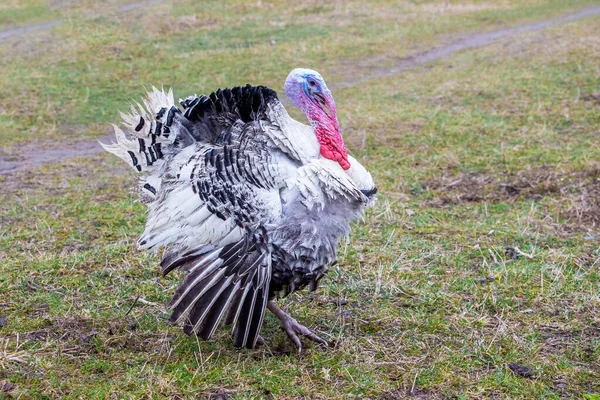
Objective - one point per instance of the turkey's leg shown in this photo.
(293, 328)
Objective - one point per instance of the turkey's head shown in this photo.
(307, 90)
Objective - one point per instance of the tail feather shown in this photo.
(143, 144)
(258, 316)
(174, 258)
(251, 308)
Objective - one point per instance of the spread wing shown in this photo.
(211, 212)
(210, 191)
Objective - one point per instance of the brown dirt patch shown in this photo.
(65, 329)
(55, 182)
(6, 386)
(76, 335)
(38, 154)
(592, 98)
(411, 393)
(477, 186)
(585, 205)
(28, 29)
(580, 188)
(575, 194)
(558, 339)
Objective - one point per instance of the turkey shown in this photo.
(249, 203)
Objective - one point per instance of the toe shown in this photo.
(314, 337)
(290, 331)
(304, 331)
(295, 339)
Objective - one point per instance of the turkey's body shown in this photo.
(242, 201)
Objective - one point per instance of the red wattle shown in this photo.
(327, 131)
(332, 146)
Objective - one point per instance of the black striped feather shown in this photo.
(234, 308)
(232, 282)
(193, 290)
(174, 259)
(213, 116)
(217, 311)
(204, 304)
(252, 310)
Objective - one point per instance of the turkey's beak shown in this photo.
(326, 101)
(370, 192)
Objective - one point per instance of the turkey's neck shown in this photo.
(301, 139)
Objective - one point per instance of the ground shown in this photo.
(475, 276)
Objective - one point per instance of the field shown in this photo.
(475, 276)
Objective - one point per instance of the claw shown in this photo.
(292, 328)
(260, 341)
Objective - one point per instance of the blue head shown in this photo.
(307, 91)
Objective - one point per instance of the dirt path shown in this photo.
(44, 26)
(33, 158)
(24, 30)
(471, 41)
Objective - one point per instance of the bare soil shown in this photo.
(26, 30)
(477, 186)
(579, 189)
(36, 155)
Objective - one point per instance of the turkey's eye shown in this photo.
(312, 83)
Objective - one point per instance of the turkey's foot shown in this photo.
(293, 328)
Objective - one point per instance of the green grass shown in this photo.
(23, 12)
(488, 150)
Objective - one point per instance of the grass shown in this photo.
(481, 253)
(23, 12)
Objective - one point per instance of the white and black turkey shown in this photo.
(248, 202)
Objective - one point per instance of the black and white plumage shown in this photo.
(242, 198)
